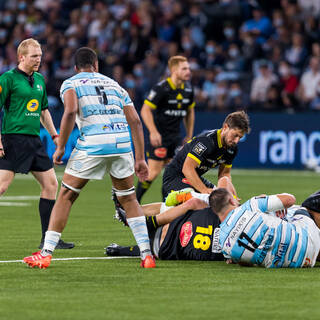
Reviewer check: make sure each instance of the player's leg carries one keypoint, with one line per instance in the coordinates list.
(155, 167)
(6, 178)
(69, 192)
(124, 190)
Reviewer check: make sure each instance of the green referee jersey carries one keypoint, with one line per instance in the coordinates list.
(23, 98)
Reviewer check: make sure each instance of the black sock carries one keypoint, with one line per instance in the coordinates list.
(142, 188)
(152, 223)
(45, 208)
(129, 251)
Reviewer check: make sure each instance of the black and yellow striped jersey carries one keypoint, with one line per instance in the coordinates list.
(170, 105)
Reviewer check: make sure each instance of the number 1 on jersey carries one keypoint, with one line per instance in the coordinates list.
(200, 241)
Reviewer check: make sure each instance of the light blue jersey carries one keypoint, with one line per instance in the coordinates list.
(101, 121)
(249, 234)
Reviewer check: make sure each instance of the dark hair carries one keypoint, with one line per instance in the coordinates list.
(238, 119)
(85, 57)
(219, 199)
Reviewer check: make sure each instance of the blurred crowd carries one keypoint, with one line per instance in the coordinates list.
(258, 55)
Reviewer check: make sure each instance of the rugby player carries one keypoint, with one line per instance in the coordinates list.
(104, 112)
(168, 103)
(215, 148)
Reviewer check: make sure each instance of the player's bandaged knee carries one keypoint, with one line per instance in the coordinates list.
(274, 203)
(76, 190)
(121, 193)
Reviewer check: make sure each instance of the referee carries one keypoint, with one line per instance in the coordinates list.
(169, 102)
(24, 99)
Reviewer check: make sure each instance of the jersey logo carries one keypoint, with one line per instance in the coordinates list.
(0, 89)
(199, 149)
(160, 152)
(184, 180)
(185, 233)
(33, 105)
(39, 87)
(216, 248)
(151, 95)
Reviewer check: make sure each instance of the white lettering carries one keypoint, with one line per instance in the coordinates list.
(280, 147)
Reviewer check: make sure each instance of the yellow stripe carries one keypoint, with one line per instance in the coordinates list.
(190, 155)
(171, 84)
(150, 104)
(228, 165)
(219, 138)
(152, 218)
(192, 105)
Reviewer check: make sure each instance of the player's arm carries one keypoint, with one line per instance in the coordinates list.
(225, 172)
(175, 212)
(147, 116)
(70, 102)
(188, 122)
(189, 171)
(273, 202)
(135, 124)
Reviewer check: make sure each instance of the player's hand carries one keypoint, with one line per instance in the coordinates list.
(155, 139)
(57, 156)
(142, 170)
(206, 190)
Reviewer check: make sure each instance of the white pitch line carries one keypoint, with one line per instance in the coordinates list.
(20, 198)
(77, 258)
(14, 204)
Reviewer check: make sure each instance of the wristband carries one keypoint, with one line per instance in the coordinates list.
(54, 136)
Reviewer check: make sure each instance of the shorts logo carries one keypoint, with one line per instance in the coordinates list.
(185, 233)
(160, 152)
(33, 105)
(199, 149)
(184, 180)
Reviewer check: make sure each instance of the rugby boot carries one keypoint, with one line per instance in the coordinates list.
(176, 197)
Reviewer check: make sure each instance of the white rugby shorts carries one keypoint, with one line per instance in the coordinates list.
(91, 167)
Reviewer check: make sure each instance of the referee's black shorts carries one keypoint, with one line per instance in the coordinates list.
(24, 153)
(174, 180)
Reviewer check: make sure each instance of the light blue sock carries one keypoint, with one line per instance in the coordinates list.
(140, 232)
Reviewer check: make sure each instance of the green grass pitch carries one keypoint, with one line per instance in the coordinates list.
(119, 288)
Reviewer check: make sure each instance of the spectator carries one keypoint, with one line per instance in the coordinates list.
(261, 84)
(309, 83)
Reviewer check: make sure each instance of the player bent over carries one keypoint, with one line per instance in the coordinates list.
(104, 112)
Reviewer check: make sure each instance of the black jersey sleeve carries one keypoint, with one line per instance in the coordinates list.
(154, 97)
(200, 149)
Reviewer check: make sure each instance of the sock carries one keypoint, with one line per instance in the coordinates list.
(152, 223)
(202, 196)
(133, 251)
(50, 242)
(142, 188)
(139, 229)
(45, 208)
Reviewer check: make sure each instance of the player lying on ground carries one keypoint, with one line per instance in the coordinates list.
(248, 234)
(184, 232)
(296, 216)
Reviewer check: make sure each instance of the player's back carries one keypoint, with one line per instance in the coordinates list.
(100, 118)
(251, 235)
(191, 237)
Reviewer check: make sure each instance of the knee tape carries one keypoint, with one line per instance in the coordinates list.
(63, 184)
(121, 193)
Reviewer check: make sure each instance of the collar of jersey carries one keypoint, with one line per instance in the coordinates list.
(219, 138)
(23, 73)
(171, 84)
